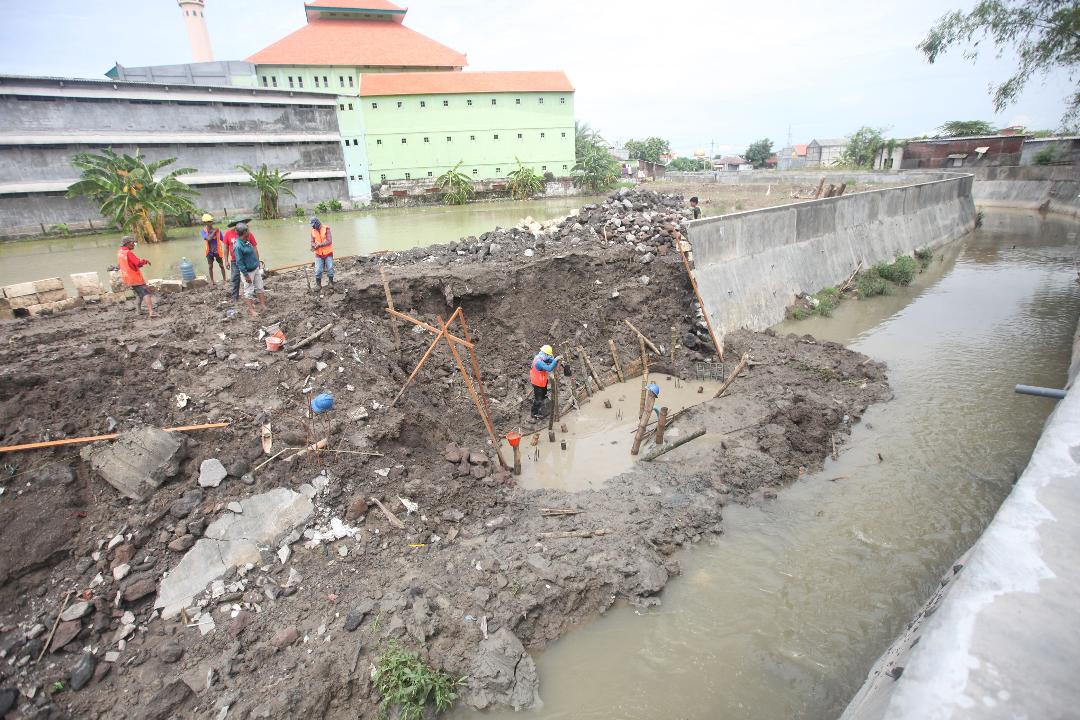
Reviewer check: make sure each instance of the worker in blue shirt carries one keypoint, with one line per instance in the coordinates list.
(542, 364)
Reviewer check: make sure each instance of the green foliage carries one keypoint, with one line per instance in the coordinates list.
(650, 149)
(965, 128)
(862, 146)
(901, 271)
(738, 206)
(129, 194)
(759, 152)
(685, 164)
(925, 256)
(799, 313)
(1043, 34)
(412, 686)
(826, 302)
(335, 205)
(597, 171)
(457, 187)
(60, 229)
(270, 186)
(524, 182)
(300, 212)
(585, 140)
(322, 208)
(870, 284)
(1046, 156)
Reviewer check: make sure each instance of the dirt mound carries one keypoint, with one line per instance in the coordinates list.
(296, 632)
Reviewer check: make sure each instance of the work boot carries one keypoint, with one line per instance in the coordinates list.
(318, 286)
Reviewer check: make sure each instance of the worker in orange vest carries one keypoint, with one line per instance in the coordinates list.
(542, 364)
(132, 276)
(213, 246)
(322, 244)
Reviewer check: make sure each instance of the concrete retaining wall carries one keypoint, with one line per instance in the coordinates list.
(750, 266)
(1053, 188)
(808, 176)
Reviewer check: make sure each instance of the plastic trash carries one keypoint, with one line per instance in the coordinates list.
(322, 402)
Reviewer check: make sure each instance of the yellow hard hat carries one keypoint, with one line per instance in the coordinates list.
(547, 350)
(207, 217)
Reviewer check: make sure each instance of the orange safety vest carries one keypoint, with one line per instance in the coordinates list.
(537, 377)
(219, 244)
(318, 236)
(129, 274)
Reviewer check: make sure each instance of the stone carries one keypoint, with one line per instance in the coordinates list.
(82, 671)
(286, 637)
(211, 473)
(239, 623)
(138, 462)
(231, 541)
(503, 674)
(65, 633)
(87, 283)
(8, 698)
(170, 652)
(121, 571)
(452, 454)
(157, 365)
(478, 458)
(164, 704)
(357, 509)
(479, 471)
(123, 554)
(77, 610)
(235, 507)
(138, 589)
(182, 543)
(182, 506)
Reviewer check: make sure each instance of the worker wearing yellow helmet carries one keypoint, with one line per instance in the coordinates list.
(542, 364)
(214, 246)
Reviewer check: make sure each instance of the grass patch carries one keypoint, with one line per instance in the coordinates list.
(925, 256)
(871, 285)
(412, 686)
(826, 302)
(799, 313)
(901, 271)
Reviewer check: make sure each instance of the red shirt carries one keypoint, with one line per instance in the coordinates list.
(230, 238)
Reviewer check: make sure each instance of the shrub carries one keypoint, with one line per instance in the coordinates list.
(322, 208)
(901, 271)
(925, 256)
(870, 285)
(59, 229)
(412, 686)
(335, 205)
(826, 302)
(799, 313)
(299, 212)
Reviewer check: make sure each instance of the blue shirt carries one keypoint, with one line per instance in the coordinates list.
(246, 259)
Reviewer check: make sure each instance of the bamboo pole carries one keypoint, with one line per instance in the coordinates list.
(661, 425)
(56, 624)
(390, 304)
(657, 452)
(644, 376)
(429, 328)
(569, 351)
(517, 459)
(674, 343)
(475, 363)
(311, 338)
(821, 184)
(642, 336)
(96, 438)
(592, 370)
(615, 357)
(734, 374)
(697, 293)
(472, 390)
(431, 348)
(642, 422)
(564, 534)
(554, 416)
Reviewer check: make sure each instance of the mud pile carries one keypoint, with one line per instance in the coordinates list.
(319, 579)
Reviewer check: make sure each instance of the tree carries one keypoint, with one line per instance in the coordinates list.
(650, 149)
(685, 164)
(862, 146)
(1044, 34)
(585, 139)
(759, 152)
(965, 128)
(128, 193)
(270, 186)
(457, 187)
(597, 170)
(524, 182)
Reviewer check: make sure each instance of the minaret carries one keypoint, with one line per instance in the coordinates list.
(198, 35)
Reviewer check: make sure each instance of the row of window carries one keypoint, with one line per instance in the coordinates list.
(408, 176)
(297, 82)
(194, 13)
(450, 138)
(468, 102)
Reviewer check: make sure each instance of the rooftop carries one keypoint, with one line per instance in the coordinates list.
(447, 83)
(381, 10)
(965, 138)
(830, 142)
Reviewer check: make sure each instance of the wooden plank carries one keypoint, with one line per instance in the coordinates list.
(429, 328)
(431, 348)
(641, 335)
(589, 365)
(657, 452)
(697, 293)
(96, 438)
(734, 374)
(310, 338)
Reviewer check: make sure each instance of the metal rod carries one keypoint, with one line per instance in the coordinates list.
(1040, 391)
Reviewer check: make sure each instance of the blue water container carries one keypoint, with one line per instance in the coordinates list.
(187, 270)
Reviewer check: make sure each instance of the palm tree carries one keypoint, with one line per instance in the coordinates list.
(271, 186)
(457, 187)
(524, 182)
(128, 193)
(585, 139)
(597, 171)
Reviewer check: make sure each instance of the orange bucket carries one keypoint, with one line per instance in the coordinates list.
(513, 438)
(275, 341)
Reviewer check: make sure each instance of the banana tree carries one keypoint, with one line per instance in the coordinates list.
(457, 187)
(270, 186)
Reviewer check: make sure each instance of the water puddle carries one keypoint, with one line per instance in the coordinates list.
(598, 439)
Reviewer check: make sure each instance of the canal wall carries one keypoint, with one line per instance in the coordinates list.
(1001, 636)
(1054, 188)
(750, 266)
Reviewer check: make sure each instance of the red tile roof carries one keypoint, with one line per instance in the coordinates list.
(357, 43)
(437, 83)
(800, 150)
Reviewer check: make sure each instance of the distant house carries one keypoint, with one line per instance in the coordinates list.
(826, 151)
(639, 169)
(771, 161)
(790, 157)
(730, 163)
(962, 152)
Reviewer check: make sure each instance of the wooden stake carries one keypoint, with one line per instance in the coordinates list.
(554, 414)
(431, 348)
(820, 185)
(563, 534)
(391, 517)
(661, 425)
(48, 640)
(693, 284)
(642, 336)
(657, 452)
(615, 357)
(674, 344)
(649, 401)
(475, 364)
(592, 370)
(644, 376)
(427, 327)
(734, 374)
(847, 283)
(556, 512)
(472, 391)
(843, 187)
(311, 338)
(315, 446)
(96, 438)
(517, 459)
(390, 304)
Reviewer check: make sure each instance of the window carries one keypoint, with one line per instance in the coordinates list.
(423, 103)
(427, 139)
(350, 81)
(517, 101)
(429, 173)
(408, 176)
(493, 101)
(325, 81)
(350, 106)
(448, 138)
(266, 83)
(402, 141)
(474, 171)
(543, 168)
(341, 107)
(359, 177)
(352, 177)
(290, 81)
(356, 141)
(399, 104)
(300, 82)
(468, 102)
(341, 80)
(495, 136)
(498, 170)
(562, 101)
(382, 178)
(519, 136)
(563, 167)
(274, 80)
(316, 81)
(472, 137)
(563, 134)
(374, 106)
(541, 101)
(446, 103)
(379, 141)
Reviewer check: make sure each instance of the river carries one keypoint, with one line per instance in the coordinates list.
(281, 242)
(783, 615)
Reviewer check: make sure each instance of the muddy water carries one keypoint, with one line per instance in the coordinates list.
(782, 616)
(598, 439)
(281, 242)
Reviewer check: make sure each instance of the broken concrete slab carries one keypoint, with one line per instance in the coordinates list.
(503, 674)
(138, 462)
(230, 541)
(211, 473)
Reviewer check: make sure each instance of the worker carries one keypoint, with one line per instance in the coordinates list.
(213, 247)
(229, 238)
(542, 364)
(132, 276)
(694, 207)
(322, 244)
(246, 261)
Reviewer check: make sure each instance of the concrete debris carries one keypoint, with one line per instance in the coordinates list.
(503, 674)
(211, 473)
(235, 507)
(337, 530)
(138, 462)
(77, 610)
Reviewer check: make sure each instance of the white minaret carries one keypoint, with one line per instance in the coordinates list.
(198, 35)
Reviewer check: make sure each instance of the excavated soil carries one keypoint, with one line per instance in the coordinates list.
(470, 562)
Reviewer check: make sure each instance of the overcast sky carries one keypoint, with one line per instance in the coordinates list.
(704, 74)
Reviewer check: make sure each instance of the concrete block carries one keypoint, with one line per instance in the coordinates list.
(138, 462)
(19, 290)
(51, 296)
(88, 283)
(54, 307)
(6, 314)
(23, 301)
(200, 281)
(48, 284)
(166, 286)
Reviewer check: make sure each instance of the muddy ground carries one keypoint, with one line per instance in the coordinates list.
(298, 638)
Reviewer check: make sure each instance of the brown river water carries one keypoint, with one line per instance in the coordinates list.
(782, 616)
